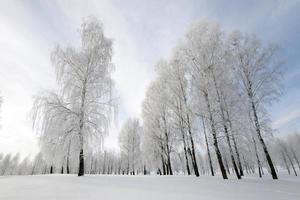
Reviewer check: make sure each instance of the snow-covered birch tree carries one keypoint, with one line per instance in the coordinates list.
(157, 120)
(201, 48)
(129, 140)
(83, 105)
(257, 70)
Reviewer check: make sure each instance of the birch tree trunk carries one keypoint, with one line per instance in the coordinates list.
(81, 122)
(291, 162)
(285, 162)
(295, 157)
(257, 157)
(225, 125)
(207, 149)
(214, 134)
(193, 154)
(185, 154)
(262, 142)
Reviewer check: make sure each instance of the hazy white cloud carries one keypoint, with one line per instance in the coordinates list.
(285, 119)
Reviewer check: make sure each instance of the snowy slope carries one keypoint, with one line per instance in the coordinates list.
(146, 187)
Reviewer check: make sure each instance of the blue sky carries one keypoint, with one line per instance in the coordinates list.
(143, 32)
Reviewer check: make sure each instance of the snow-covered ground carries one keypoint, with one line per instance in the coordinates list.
(46, 187)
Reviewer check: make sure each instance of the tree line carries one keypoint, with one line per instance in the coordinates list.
(285, 153)
(216, 84)
(205, 112)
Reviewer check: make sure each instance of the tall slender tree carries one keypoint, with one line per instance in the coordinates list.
(83, 105)
(129, 140)
(257, 69)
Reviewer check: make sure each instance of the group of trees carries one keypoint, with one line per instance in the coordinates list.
(129, 140)
(205, 112)
(285, 153)
(218, 85)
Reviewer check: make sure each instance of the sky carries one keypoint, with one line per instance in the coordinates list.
(143, 32)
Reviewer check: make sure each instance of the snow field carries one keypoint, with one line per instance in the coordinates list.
(63, 187)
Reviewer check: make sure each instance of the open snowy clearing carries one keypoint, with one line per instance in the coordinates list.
(146, 187)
